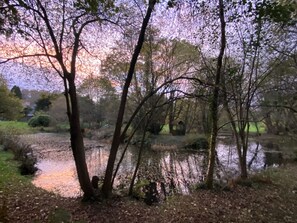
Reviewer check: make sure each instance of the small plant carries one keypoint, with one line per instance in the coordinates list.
(138, 188)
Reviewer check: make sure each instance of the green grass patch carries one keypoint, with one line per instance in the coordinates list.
(165, 129)
(16, 128)
(253, 128)
(9, 173)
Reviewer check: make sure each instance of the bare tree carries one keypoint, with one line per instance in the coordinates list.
(107, 184)
(246, 74)
(53, 31)
(215, 99)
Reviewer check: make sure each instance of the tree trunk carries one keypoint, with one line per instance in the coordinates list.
(107, 184)
(171, 112)
(137, 164)
(77, 144)
(215, 101)
(243, 163)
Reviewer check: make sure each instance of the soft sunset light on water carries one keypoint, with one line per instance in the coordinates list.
(59, 178)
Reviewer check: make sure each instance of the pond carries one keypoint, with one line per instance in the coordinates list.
(176, 169)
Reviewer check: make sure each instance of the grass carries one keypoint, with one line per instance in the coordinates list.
(253, 129)
(9, 173)
(261, 127)
(16, 189)
(165, 129)
(16, 127)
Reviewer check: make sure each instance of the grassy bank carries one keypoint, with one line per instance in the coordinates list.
(9, 173)
(16, 128)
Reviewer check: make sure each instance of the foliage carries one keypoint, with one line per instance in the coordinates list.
(9, 170)
(95, 6)
(96, 88)
(10, 107)
(88, 111)
(103, 93)
(58, 110)
(22, 153)
(16, 91)
(44, 102)
(278, 102)
(8, 18)
(40, 120)
(200, 143)
(152, 112)
(138, 190)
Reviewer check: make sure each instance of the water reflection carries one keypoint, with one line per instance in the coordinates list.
(177, 170)
(273, 156)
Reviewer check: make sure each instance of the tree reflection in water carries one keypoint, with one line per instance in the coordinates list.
(177, 171)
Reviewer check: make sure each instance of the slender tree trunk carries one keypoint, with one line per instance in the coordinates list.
(243, 163)
(107, 184)
(171, 112)
(77, 143)
(215, 101)
(138, 163)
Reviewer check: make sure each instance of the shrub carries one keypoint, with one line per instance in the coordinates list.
(199, 144)
(40, 120)
(22, 153)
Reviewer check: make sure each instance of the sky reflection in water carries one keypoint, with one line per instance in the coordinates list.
(181, 169)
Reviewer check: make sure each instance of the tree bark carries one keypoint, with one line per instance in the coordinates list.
(107, 184)
(215, 101)
(77, 144)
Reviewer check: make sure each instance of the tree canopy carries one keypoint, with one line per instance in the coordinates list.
(11, 107)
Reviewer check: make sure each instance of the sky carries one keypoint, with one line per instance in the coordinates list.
(29, 78)
(97, 43)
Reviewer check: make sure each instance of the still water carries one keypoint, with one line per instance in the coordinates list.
(180, 169)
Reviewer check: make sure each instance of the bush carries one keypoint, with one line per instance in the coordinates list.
(22, 153)
(198, 144)
(40, 120)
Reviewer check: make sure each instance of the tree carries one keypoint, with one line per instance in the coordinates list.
(215, 98)
(44, 102)
(8, 18)
(88, 114)
(245, 74)
(278, 99)
(241, 75)
(97, 87)
(10, 107)
(107, 184)
(16, 91)
(55, 30)
(58, 110)
(103, 93)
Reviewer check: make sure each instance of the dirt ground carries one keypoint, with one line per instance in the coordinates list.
(272, 198)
